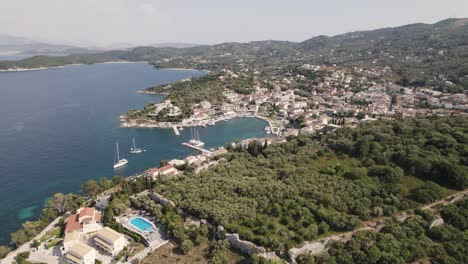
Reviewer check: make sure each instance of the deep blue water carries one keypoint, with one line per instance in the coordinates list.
(58, 128)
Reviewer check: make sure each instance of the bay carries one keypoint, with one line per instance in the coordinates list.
(58, 128)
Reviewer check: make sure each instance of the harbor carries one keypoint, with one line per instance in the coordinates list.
(197, 148)
(274, 125)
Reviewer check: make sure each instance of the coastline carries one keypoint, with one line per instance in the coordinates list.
(106, 62)
(66, 65)
(202, 123)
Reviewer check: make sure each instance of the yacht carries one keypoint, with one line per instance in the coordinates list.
(195, 141)
(134, 149)
(117, 161)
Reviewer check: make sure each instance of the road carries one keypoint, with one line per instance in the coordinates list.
(319, 245)
(10, 258)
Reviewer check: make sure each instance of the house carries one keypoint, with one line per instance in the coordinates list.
(81, 254)
(219, 151)
(109, 240)
(168, 169)
(86, 219)
(205, 105)
(192, 160)
(70, 240)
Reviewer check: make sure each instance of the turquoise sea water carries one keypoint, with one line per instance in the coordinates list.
(58, 128)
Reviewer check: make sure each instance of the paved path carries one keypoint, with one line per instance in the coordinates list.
(10, 258)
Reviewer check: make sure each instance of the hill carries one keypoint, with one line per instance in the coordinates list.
(416, 52)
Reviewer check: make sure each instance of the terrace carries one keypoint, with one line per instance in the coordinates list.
(143, 224)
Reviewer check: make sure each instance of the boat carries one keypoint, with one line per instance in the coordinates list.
(134, 149)
(211, 123)
(195, 141)
(181, 128)
(268, 130)
(117, 161)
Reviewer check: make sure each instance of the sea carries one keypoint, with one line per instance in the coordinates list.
(58, 128)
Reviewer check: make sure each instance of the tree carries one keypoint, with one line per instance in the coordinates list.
(361, 115)
(18, 238)
(90, 188)
(4, 250)
(186, 246)
(105, 183)
(35, 243)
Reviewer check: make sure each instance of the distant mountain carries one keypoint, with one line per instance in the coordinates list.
(413, 50)
(14, 44)
(416, 51)
(177, 45)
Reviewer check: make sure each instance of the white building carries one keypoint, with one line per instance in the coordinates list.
(110, 241)
(81, 254)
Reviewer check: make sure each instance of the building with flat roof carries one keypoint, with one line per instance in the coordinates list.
(110, 241)
(70, 240)
(81, 253)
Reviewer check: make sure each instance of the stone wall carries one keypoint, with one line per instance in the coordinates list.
(243, 245)
(160, 199)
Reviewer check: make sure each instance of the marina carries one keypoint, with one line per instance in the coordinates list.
(79, 144)
(197, 148)
(176, 131)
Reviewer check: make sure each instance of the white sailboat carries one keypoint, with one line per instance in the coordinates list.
(134, 149)
(196, 141)
(117, 161)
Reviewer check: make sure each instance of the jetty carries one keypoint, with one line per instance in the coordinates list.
(176, 131)
(199, 149)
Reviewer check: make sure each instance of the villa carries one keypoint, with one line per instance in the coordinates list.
(168, 169)
(81, 254)
(86, 219)
(110, 241)
(71, 239)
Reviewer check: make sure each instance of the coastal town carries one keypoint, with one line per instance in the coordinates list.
(305, 100)
(343, 153)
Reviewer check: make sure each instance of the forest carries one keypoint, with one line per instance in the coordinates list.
(405, 242)
(281, 195)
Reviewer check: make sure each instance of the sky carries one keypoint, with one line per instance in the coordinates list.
(106, 22)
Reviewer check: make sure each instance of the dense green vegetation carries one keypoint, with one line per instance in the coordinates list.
(186, 93)
(405, 242)
(431, 148)
(282, 195)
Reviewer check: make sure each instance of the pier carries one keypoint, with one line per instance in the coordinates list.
(176, 131)
(200, 149)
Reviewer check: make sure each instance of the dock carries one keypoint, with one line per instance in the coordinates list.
(176, 131)
(200, 149)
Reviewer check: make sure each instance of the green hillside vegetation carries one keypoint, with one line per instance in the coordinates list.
(186, 93)
(418, 54)
(405, 242)
(284, 194)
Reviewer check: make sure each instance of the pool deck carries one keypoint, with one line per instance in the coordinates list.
(154, 237)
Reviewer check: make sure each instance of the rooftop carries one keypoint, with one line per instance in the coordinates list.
(109, 234)
(80, 249)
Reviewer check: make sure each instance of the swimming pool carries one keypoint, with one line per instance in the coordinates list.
(142, 224)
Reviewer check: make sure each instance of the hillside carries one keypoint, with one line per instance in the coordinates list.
(438, 48)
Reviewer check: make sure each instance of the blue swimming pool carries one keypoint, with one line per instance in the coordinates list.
(142, 224)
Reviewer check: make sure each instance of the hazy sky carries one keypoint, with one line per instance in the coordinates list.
(211, 21)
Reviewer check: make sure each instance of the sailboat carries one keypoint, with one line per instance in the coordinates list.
(117, 161)
(196, 141)
(134, 149)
